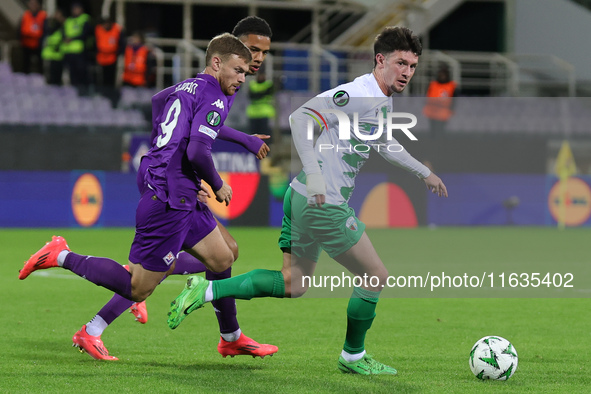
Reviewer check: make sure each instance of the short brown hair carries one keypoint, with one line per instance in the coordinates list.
(396, 39)
(226, 45)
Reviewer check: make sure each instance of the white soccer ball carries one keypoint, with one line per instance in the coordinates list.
(493, 357)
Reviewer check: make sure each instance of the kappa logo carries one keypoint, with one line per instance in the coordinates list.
(218, 103)
(169, 258)
(213, 118)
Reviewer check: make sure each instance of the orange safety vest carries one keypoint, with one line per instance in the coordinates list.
(32, 29)
(136, 64)
(439, 99)
(107, 44)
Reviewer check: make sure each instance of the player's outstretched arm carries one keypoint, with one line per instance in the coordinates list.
(253, 143)
(401, 158)
(435, 184)
(264, 150)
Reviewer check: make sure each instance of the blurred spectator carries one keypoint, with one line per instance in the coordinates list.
(77, 32)
(30, 31)
(440, 103)
(109, 38)
(261, 109)
(52, 48)
(139, 62)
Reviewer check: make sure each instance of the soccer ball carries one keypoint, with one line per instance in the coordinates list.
(493, 357)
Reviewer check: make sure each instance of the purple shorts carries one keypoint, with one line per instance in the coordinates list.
(162, 232)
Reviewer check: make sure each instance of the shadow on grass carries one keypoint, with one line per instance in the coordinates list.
(43, 357)
(206, 366)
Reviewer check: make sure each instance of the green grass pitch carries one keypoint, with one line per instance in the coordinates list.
(427, 339)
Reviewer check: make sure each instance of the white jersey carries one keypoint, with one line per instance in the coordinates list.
(340, 160)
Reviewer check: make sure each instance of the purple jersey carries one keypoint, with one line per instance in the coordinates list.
(186, 119)
(159, 99)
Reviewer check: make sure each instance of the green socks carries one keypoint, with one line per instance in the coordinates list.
(256, 283)
(360, 315)
(265, 283)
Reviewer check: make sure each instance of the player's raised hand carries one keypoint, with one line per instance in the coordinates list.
(435, 184)
(224, 194)
(264, 150)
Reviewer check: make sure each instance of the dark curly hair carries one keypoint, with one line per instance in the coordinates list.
(252, 25)
(396, 39)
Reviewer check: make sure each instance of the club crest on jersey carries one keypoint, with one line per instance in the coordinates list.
(351, 224)
(340, 98)
(213, 118)
(169, 258)
(218, 103)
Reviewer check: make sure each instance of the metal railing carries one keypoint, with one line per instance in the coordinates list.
(537, 72)
(499, 74)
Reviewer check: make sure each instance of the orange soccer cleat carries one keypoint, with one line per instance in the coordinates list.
(45, 258)
(139, 309)
(92, 345)
(245, 346)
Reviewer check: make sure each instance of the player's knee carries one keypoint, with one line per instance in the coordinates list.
(139, 295)
(382, 278)
(293, 289)
(222, 263)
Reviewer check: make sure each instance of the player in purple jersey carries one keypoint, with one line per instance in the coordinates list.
(169, 217)
(256, 34)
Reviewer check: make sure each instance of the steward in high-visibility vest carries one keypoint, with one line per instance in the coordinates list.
(261, 108)
(439, 106)
(30, 31)
(136, 61)
(440, 95)
(108, 42)
(76, 32)
(52, 48)
(261, 100)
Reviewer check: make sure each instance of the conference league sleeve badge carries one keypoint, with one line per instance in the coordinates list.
(340, 98)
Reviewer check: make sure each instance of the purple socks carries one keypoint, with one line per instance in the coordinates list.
(111, 275)
(187, 264)
(114, 308)
(101, 271)
(225, 308)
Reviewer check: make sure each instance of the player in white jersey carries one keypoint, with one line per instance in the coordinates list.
(342, 158)
(316, 214)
